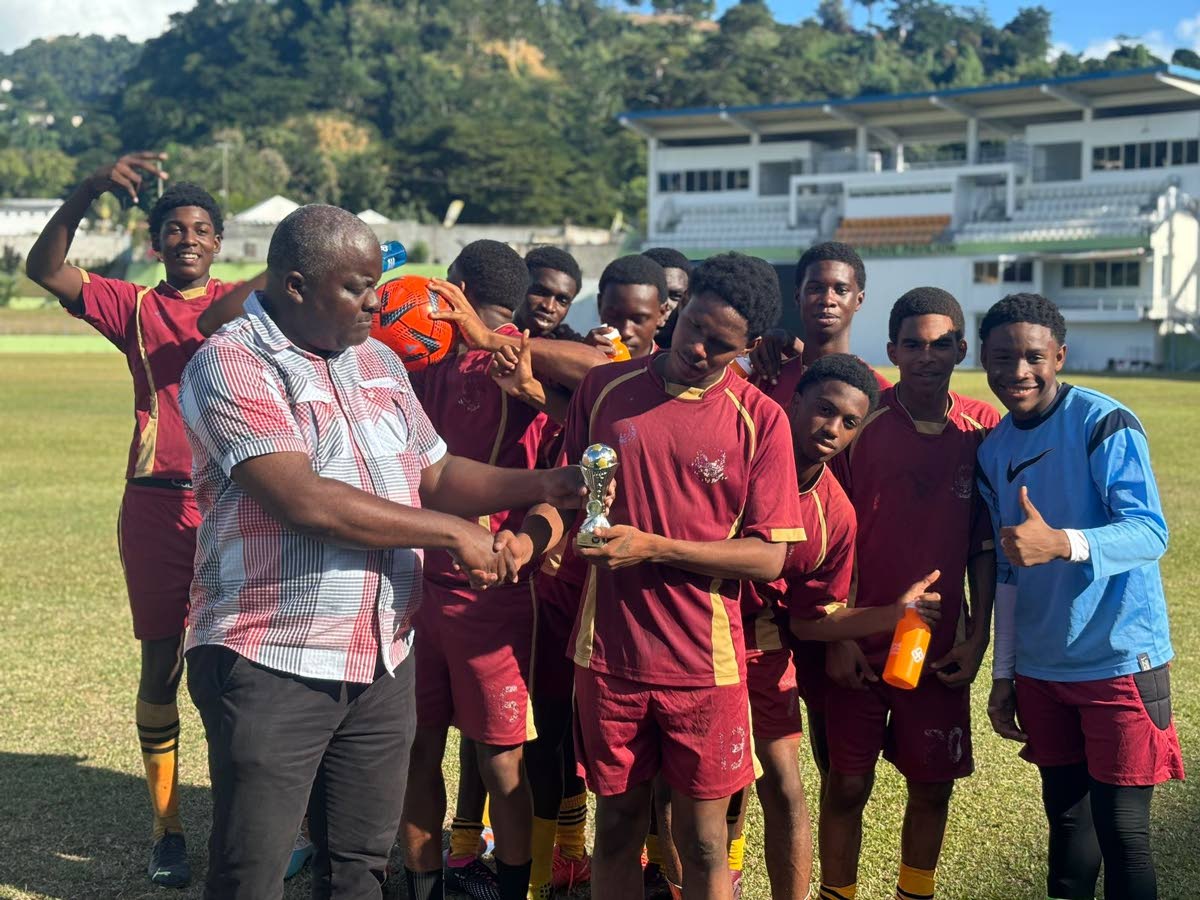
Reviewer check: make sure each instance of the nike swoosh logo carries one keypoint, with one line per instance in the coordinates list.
(1014, 472)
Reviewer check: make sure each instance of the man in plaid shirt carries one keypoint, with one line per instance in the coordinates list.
(320, 482)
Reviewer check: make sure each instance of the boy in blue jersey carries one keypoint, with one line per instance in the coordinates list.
(1081, 644)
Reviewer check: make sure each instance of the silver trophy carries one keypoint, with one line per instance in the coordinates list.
(599, 465)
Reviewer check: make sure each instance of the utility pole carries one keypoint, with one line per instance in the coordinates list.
(224, 145)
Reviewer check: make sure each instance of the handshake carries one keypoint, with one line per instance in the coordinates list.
(491, 559)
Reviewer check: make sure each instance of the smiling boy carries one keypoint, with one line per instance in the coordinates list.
(1082, 640)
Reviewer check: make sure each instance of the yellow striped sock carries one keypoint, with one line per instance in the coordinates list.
(837, 893)
(542, 867)
(464, 837)
(737, 852)
(915, 884)
(158, 731)
(572, 819)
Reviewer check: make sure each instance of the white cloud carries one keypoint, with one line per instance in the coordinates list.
(1188, 32)
(21, 21)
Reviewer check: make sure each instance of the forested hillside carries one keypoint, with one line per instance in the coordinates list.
(508, 104)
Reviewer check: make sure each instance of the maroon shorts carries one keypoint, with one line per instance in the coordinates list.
(774, 699)
(472, 651)
(1110, 724)
(557, 605)
(627, 732)
(809, 660)
(925, 733)
(156, 535)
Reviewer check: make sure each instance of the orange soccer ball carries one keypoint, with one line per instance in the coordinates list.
(404, 322)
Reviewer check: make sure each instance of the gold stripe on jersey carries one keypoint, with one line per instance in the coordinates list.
(194, 293)
(530, 728)
(724, 653)
(84, 274)
(824, 529)
(604, 392)
(787, 536)
(148, 439)
(744, 413)
(585, 641)
(766, 632)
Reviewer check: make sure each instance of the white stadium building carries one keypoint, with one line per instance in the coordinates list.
(1083, 189)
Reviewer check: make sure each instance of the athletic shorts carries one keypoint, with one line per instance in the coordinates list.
(156, 536)
(472, 651)
(627, 732)
(774, 699)
(809, 660)
(925, 732)
(1121, 727)
(553, 669)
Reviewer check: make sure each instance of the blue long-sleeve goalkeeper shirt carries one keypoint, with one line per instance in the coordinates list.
(1086, 463)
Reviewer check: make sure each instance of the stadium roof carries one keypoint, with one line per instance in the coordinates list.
(271, 211)
(1003, 109)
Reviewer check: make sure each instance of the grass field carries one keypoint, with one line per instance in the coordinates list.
(73, 809)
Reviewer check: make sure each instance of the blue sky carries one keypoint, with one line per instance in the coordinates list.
(1081, 25)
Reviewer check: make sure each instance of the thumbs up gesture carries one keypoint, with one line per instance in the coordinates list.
(1033, 542)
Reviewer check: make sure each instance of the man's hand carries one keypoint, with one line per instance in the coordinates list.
(564, 487)
(1033, 542)
(847, 666)
(473, 554)
(769, 354)
(515, 552)
(1002, 710)
(959, 667)
(512, 369)
(625, 547)
(476, 334)
(126, 174)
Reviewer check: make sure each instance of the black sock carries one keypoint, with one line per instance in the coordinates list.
(514, 880)
(424, 885)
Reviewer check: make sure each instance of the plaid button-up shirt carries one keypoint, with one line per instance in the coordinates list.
(283, 600)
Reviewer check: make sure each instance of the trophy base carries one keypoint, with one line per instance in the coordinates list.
(588, 539)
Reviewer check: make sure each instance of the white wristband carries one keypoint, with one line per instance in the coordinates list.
(1081, 551)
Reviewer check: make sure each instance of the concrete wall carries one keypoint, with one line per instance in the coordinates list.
(88, 249)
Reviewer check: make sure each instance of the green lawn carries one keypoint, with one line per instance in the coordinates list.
(73, 810)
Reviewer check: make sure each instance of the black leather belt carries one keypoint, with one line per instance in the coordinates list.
(175, 484)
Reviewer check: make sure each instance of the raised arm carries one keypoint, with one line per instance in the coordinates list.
(563, 362)
(229, 305)
(47, 261)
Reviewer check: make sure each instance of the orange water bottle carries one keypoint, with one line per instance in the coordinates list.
(620, 351)
(910, 641)
(741, 367)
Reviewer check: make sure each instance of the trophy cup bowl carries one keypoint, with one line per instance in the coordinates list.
(599, 465)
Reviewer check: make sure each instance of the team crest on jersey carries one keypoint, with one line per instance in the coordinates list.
(964, 482)
(471, 398)
(709, 466)
(626, 432)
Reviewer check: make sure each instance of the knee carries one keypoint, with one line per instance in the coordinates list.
(705, 851)
(931, 796)
(781, 788)
(501, 765)
(847, 793)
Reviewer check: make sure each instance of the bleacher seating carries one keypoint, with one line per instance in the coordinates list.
(1074, 212)
(733, 225)
(893, 231)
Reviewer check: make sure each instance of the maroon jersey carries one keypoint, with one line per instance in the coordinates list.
(790, 374)
(913, 488)
(478, 421)
(695, 465)
(155, 327)
(817, 574)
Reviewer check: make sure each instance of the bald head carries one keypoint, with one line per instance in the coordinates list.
(313, 238)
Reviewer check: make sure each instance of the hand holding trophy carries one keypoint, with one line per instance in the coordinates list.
(599, 465)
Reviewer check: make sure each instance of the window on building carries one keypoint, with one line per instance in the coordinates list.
(1147, 155)
(1057, 162)
(775, 177)
(1018, 271)
(704, 180)
(1102, 274)
(987, 272)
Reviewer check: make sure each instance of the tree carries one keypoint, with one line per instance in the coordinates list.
(833, 16)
